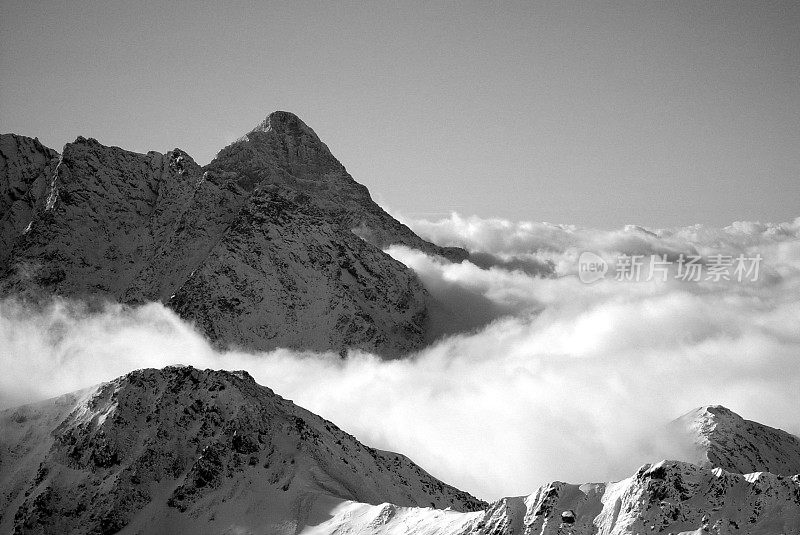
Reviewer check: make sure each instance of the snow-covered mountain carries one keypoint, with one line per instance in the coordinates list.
(273, 244)
(182, 450)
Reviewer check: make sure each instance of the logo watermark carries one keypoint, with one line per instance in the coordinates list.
(688, 268)
(591, 267)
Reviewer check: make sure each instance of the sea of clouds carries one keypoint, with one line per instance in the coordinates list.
(550, 378)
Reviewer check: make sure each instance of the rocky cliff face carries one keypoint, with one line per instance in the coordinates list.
(273, 244)
(26, 170)
(181, 450)
(108, 213)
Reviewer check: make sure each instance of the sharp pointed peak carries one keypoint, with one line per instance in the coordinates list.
(284, 122)
(283, 131)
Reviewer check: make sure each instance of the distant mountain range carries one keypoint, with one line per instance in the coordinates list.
(182, 450)
(272, 244)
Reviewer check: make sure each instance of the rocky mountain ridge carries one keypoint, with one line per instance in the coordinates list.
(272, 244)
(669, 497)
(182, 450)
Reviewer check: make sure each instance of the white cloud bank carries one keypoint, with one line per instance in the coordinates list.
(564, 381)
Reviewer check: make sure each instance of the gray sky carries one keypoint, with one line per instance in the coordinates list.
(598, 114)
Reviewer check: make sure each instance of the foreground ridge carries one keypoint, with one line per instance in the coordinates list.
(182, 450)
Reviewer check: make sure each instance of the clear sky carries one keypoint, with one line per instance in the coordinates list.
(597, 114)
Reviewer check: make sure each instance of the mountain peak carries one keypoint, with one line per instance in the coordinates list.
(291, 130)
(282, 139)
(724, 439)
(284, 122)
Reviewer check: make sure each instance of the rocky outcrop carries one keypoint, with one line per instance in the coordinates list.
(182, 450)
(273, 244)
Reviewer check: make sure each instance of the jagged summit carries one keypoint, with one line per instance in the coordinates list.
(183, 450)
(723, 439)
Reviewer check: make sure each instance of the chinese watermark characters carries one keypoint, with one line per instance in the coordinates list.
(687, 268)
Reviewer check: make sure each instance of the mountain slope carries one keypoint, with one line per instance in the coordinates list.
(273, 244)
(181, 450)
(333, 289)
